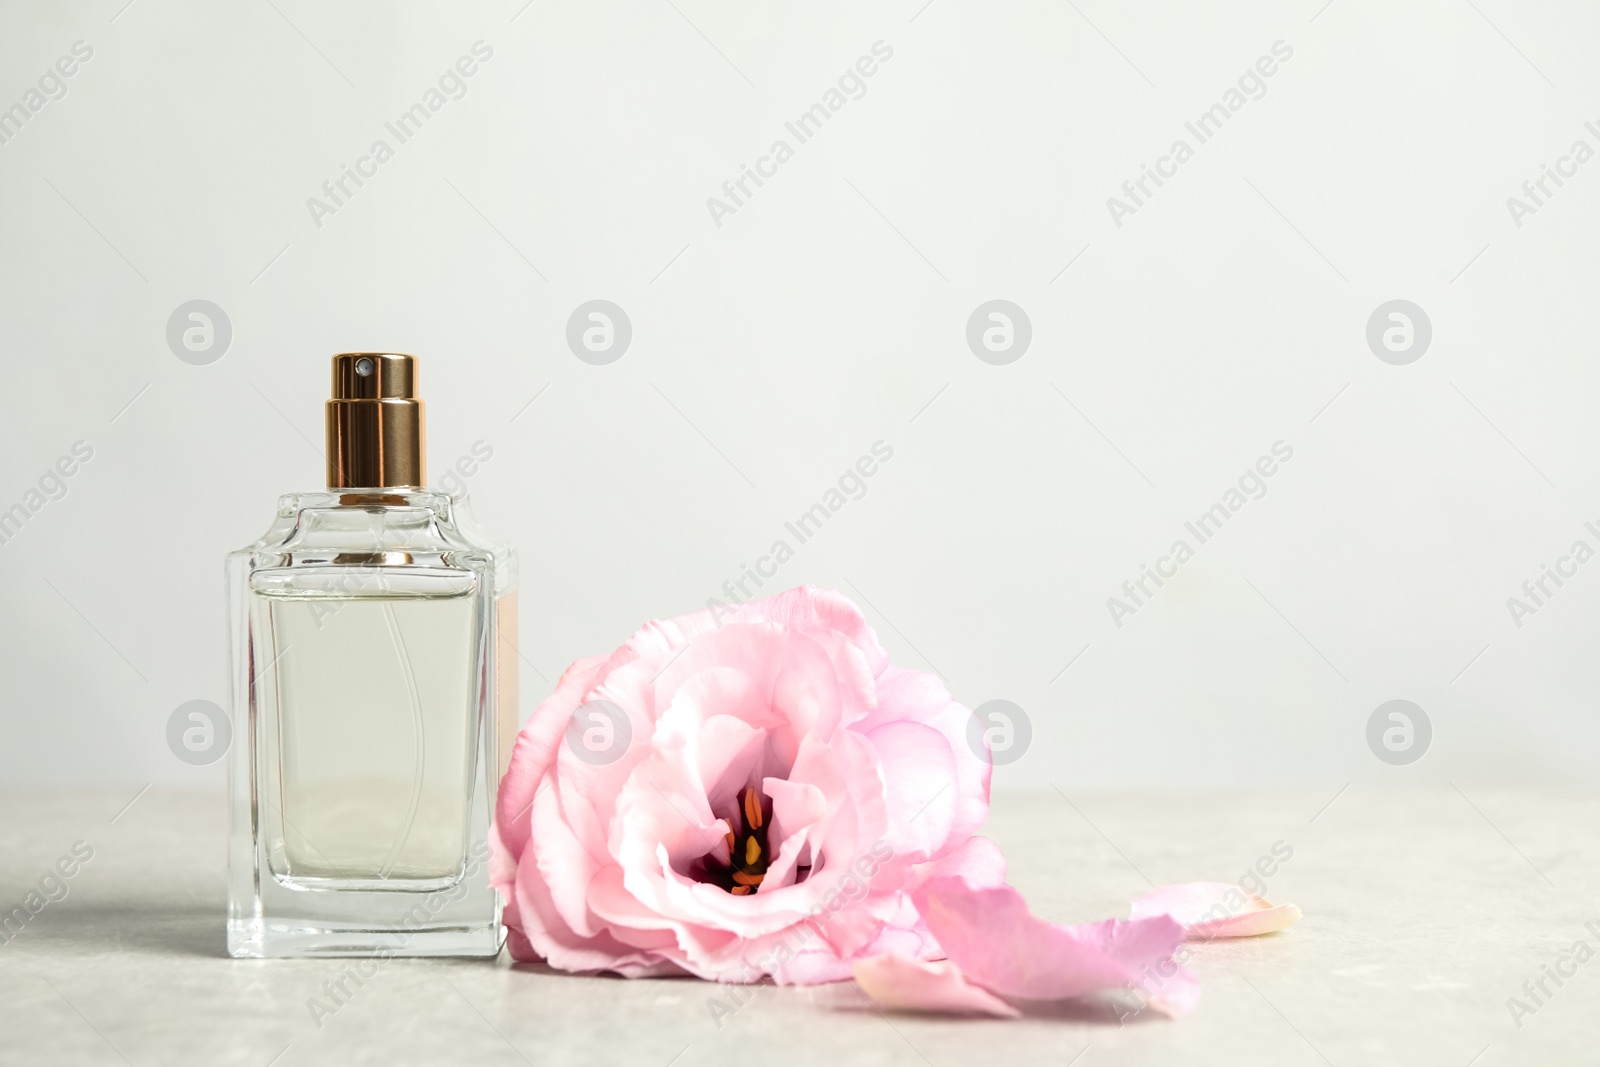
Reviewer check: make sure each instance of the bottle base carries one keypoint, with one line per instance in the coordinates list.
(258, 939)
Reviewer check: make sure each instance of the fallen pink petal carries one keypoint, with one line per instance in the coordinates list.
(903, 984)
(1208, 910)
(999, 945)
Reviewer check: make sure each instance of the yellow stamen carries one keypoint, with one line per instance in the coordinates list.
(752, 809)
(752, 851)
(747, 879)
(730, 842)
(740, 890)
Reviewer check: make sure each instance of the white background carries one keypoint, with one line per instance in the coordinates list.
(828, 313)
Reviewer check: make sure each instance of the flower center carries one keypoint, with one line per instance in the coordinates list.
(748, 849)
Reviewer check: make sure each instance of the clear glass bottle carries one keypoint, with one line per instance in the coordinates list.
(374, 688)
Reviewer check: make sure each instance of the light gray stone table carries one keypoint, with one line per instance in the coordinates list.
(1424, 912)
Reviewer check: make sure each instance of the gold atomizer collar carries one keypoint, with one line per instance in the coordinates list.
(376, 433)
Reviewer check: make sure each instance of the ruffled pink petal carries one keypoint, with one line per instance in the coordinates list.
(547, 936)
(589, 790)
(535, 752)
(812, 967)
(998, 944)
(913, 985)
(730, 754)
(555, 850)
(1145, 947)
(918, 770)
(915, 696)
(792, 691)
(797, 809)
(978, 862)
(807, 608)
(901, 935)
(1216, 909)
(703, 951)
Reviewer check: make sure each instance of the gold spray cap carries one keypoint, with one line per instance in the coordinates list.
(376, 434)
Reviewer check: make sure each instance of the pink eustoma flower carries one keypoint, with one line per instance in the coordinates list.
(754, 792)
(739, 793)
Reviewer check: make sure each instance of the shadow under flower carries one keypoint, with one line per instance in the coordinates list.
(1104, 1010)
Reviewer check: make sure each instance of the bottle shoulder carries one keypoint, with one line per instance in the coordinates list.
(421, 528)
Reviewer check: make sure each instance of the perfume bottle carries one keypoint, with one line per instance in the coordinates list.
(374, 694)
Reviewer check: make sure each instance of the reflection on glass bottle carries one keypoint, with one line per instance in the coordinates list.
(370, 655)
